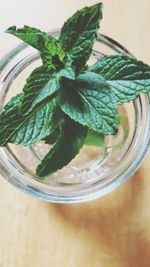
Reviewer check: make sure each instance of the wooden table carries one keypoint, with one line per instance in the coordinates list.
(111, 232)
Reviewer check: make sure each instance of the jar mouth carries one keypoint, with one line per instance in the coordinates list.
(115, 163)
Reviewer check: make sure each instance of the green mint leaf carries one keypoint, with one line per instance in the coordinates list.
(42, 85)
(68, 71)
(89, 101)
(79, 33)
(127, 76)
(67, 146)
(94, 139)
(36, 82)
(37, 125)
(51, 51)
(27, 129)
(48, 92)
(10, 118)
(51, 139)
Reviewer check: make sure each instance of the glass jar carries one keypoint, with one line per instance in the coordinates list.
(96, 171)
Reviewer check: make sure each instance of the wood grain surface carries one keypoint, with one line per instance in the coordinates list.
(111, 232)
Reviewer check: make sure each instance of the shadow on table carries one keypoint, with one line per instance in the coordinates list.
(113, 223)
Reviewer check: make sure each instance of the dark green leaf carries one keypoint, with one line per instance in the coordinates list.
(67, 146)
(127, 76)
(27, 129)
(90, 103)
(10, 118)
(36, 82)
(94, 139)
(51, 139)
(47, 92)
(42, 85)
(38, 125)
(68, 70)
(51, 51)
(79, 33)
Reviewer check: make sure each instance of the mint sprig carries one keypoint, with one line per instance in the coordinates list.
(65, 102)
